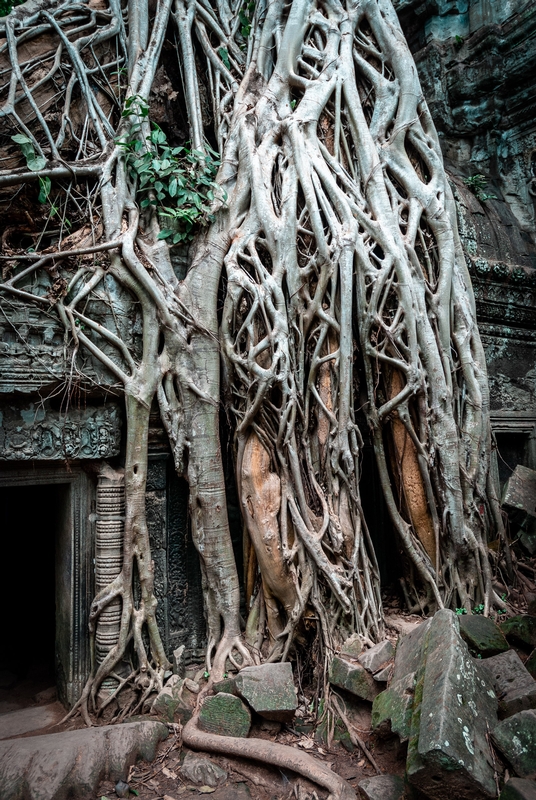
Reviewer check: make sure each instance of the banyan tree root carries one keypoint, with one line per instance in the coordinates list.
(278, 755)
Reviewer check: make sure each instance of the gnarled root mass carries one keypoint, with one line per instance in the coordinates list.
(344, 285)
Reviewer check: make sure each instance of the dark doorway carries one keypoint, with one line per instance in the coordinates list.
(31, 523)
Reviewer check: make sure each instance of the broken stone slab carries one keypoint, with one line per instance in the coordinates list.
(384, 675)
(354, 678)
(513, 684)
(167, 699)
(15, 723)
(482, 635)
(375, 658)
(519, 789)
(515, 737)
(269, 690)
(200, 769)
(448, 752)
(408, 654)
(226, 715)
(521, 628)
(392, 709)
(353, 646)
(520, 490)
(71, 765)
(382, 787)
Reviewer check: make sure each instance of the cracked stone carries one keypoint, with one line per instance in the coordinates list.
(200, 769)
(376, 658)
(354, 678)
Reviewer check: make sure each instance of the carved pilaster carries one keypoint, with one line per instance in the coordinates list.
(109, 556)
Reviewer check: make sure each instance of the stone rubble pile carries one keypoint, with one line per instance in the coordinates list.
(454, 688)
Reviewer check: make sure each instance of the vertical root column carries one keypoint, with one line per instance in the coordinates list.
(109, 560)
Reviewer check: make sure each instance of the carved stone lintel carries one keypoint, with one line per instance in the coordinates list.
(38, 432)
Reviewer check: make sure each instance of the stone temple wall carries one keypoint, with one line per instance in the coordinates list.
(477, 60)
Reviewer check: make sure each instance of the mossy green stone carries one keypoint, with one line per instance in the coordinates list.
(522, 628)
(393, 708)
(482, 635)
(226, 715)
(515, 737)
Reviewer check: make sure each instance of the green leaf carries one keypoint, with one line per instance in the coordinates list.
(224, 55)
(172, 188)
(36, 163)
(20, 138)
(45, 185)
(165, 234)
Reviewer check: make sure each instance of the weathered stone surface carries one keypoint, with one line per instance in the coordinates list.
(200, 769)
(384, 674)
(377, 656)
(520, 490)
(382, 787)
(515, 737)
(354, 678)
(482, 635)
(521, 628)
(530, 664)
(269, 690)
(226, 715)
(448, 752)
(225, 685)
(71, 765)
(512, 683)
(408, 655)
(15, 723)
(178, 661)
(353, 646)
(519, 789)
(392, 709)
(176, 701)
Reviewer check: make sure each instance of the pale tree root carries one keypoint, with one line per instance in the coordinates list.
(277, 755)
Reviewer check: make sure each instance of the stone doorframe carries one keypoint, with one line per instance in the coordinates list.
(74, 568)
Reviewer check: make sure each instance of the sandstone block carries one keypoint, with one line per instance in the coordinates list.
(376, 658)
(448, 751)
(521, 628)
(515, 737)
(482, 635)
(392, 709)
(513, 684)
(353, 646)
(269, 690)
(202, 770)
(226, 715)
(382, 787)
(354, 678)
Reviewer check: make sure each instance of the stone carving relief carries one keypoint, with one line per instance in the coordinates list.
(38, 432)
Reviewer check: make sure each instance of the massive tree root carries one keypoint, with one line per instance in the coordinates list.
(337, 253)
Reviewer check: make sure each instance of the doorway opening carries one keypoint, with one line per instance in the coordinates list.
(32, 520)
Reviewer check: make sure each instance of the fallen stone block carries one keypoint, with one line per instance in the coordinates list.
(513, 684)
(515, 737)
(392, 709)
(384, 675)
(448, 752)
(269, 690)
(375, 658)
(167, 699)
(226, 715)
(382, 787)
(354, 678)
(408, 654)
(353, 646)
(200, 769)
(71, 765)
(521, 629)
(519, 789)
(179, 666)
(482, 635)
(520, 490)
